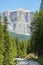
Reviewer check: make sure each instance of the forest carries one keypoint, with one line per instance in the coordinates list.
(11, 47)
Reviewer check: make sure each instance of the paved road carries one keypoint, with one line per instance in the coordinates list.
(26, 62)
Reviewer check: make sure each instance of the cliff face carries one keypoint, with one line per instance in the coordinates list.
(19, 20)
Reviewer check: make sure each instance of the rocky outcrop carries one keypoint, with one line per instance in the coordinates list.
(19, 20)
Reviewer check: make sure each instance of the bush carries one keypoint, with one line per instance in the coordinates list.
(40, 59)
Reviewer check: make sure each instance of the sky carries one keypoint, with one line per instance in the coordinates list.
(32, 5)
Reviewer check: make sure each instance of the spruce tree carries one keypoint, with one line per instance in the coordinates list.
(1, 42)
(41, 6)
(24, 48)
(17, 45)
(14, 47)
(7, 44)
(37, 33)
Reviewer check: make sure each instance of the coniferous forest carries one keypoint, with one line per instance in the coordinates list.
(11, 47)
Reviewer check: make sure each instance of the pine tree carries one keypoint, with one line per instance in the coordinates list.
(7, 44)
(37, 33)
(24, 48)
(33, 29)
(41, 7)
(18, 46)
(1, 42)
(14, 48)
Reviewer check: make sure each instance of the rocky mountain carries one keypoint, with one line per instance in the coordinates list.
(19, 20)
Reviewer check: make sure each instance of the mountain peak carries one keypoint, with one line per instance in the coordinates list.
(21, 9)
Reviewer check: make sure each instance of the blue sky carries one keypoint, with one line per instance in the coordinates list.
(32, 5)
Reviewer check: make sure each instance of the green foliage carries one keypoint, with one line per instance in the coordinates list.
(7, 45)
(6, 21)
(21, 48)
(1, 37)
(33, 29)
(40, 59)
(1, 59)
(10, 47)
(14, 48)
(37, 33)
(28, 47)
(24, 48)
(41, 7)
(1, 42)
